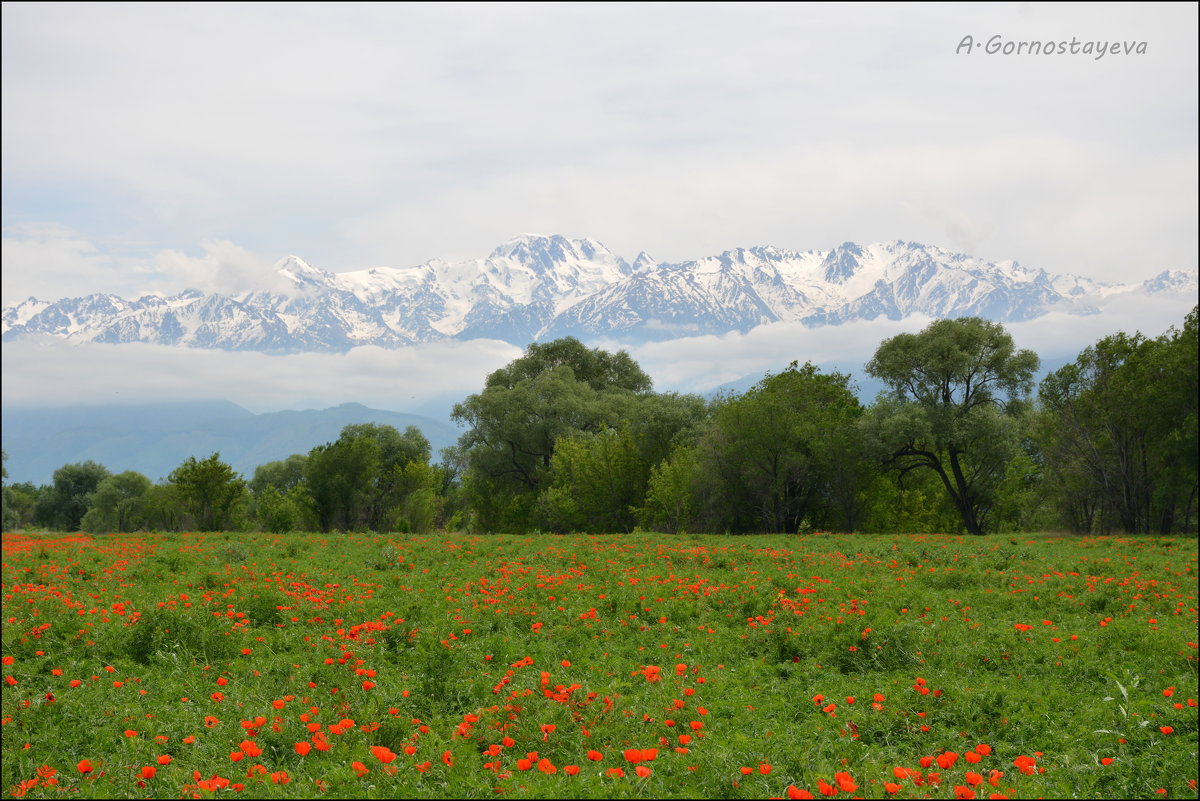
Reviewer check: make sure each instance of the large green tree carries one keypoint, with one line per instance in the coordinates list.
(117, 504)
(956, 391)
(210, 491)
(63, 505)
(364, 480)
(784, 456)
(555, 390)
(1118, 428)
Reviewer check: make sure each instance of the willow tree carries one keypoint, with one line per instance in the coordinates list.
(956, 393)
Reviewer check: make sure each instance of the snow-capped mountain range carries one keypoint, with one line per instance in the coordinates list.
(537, 287)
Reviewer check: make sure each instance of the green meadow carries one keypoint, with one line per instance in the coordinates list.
(373, 666)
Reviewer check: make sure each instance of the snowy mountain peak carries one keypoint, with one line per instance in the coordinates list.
(542, 253)
(842, 263)
(537, 287)
(1172, 281)
(301, 273)
(643, 263)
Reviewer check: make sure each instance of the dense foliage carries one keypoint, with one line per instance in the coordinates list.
(568, 438)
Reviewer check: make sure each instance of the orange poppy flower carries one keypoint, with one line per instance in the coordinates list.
(149, 771)
(383, 754)
(795, 792)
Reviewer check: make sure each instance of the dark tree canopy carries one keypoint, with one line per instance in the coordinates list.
(1119, 432)
(63, 506)
(955, 389)
(555, 390)
(210, 490)
(597, 368)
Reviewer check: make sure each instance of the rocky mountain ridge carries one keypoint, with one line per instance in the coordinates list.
(536, 287)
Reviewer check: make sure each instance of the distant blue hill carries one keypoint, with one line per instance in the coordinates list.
(154, 439)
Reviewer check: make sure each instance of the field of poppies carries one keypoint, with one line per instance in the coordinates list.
(374, 666)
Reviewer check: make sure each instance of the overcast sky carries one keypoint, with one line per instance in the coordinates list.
(162, 146)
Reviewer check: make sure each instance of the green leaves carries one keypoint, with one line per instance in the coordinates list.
(210, 491)
(1119, 432)
(556, 391)
(956, 389)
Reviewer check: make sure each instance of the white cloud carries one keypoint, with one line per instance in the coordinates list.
(50, 373)
(224, 268)
(49, 261)
(428, 378)
(699, 364)
(389, 134)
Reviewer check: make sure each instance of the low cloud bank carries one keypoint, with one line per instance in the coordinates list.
(428, 378)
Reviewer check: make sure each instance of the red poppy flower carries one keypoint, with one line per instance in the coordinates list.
(384, 755)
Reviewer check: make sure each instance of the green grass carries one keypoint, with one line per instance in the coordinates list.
(472, 640)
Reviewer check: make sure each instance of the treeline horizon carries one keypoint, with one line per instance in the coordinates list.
(571, 439)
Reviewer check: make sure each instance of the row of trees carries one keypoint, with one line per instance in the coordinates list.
(373, 477)
(568, 438)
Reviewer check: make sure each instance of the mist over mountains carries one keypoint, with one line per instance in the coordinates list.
(537, 287)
